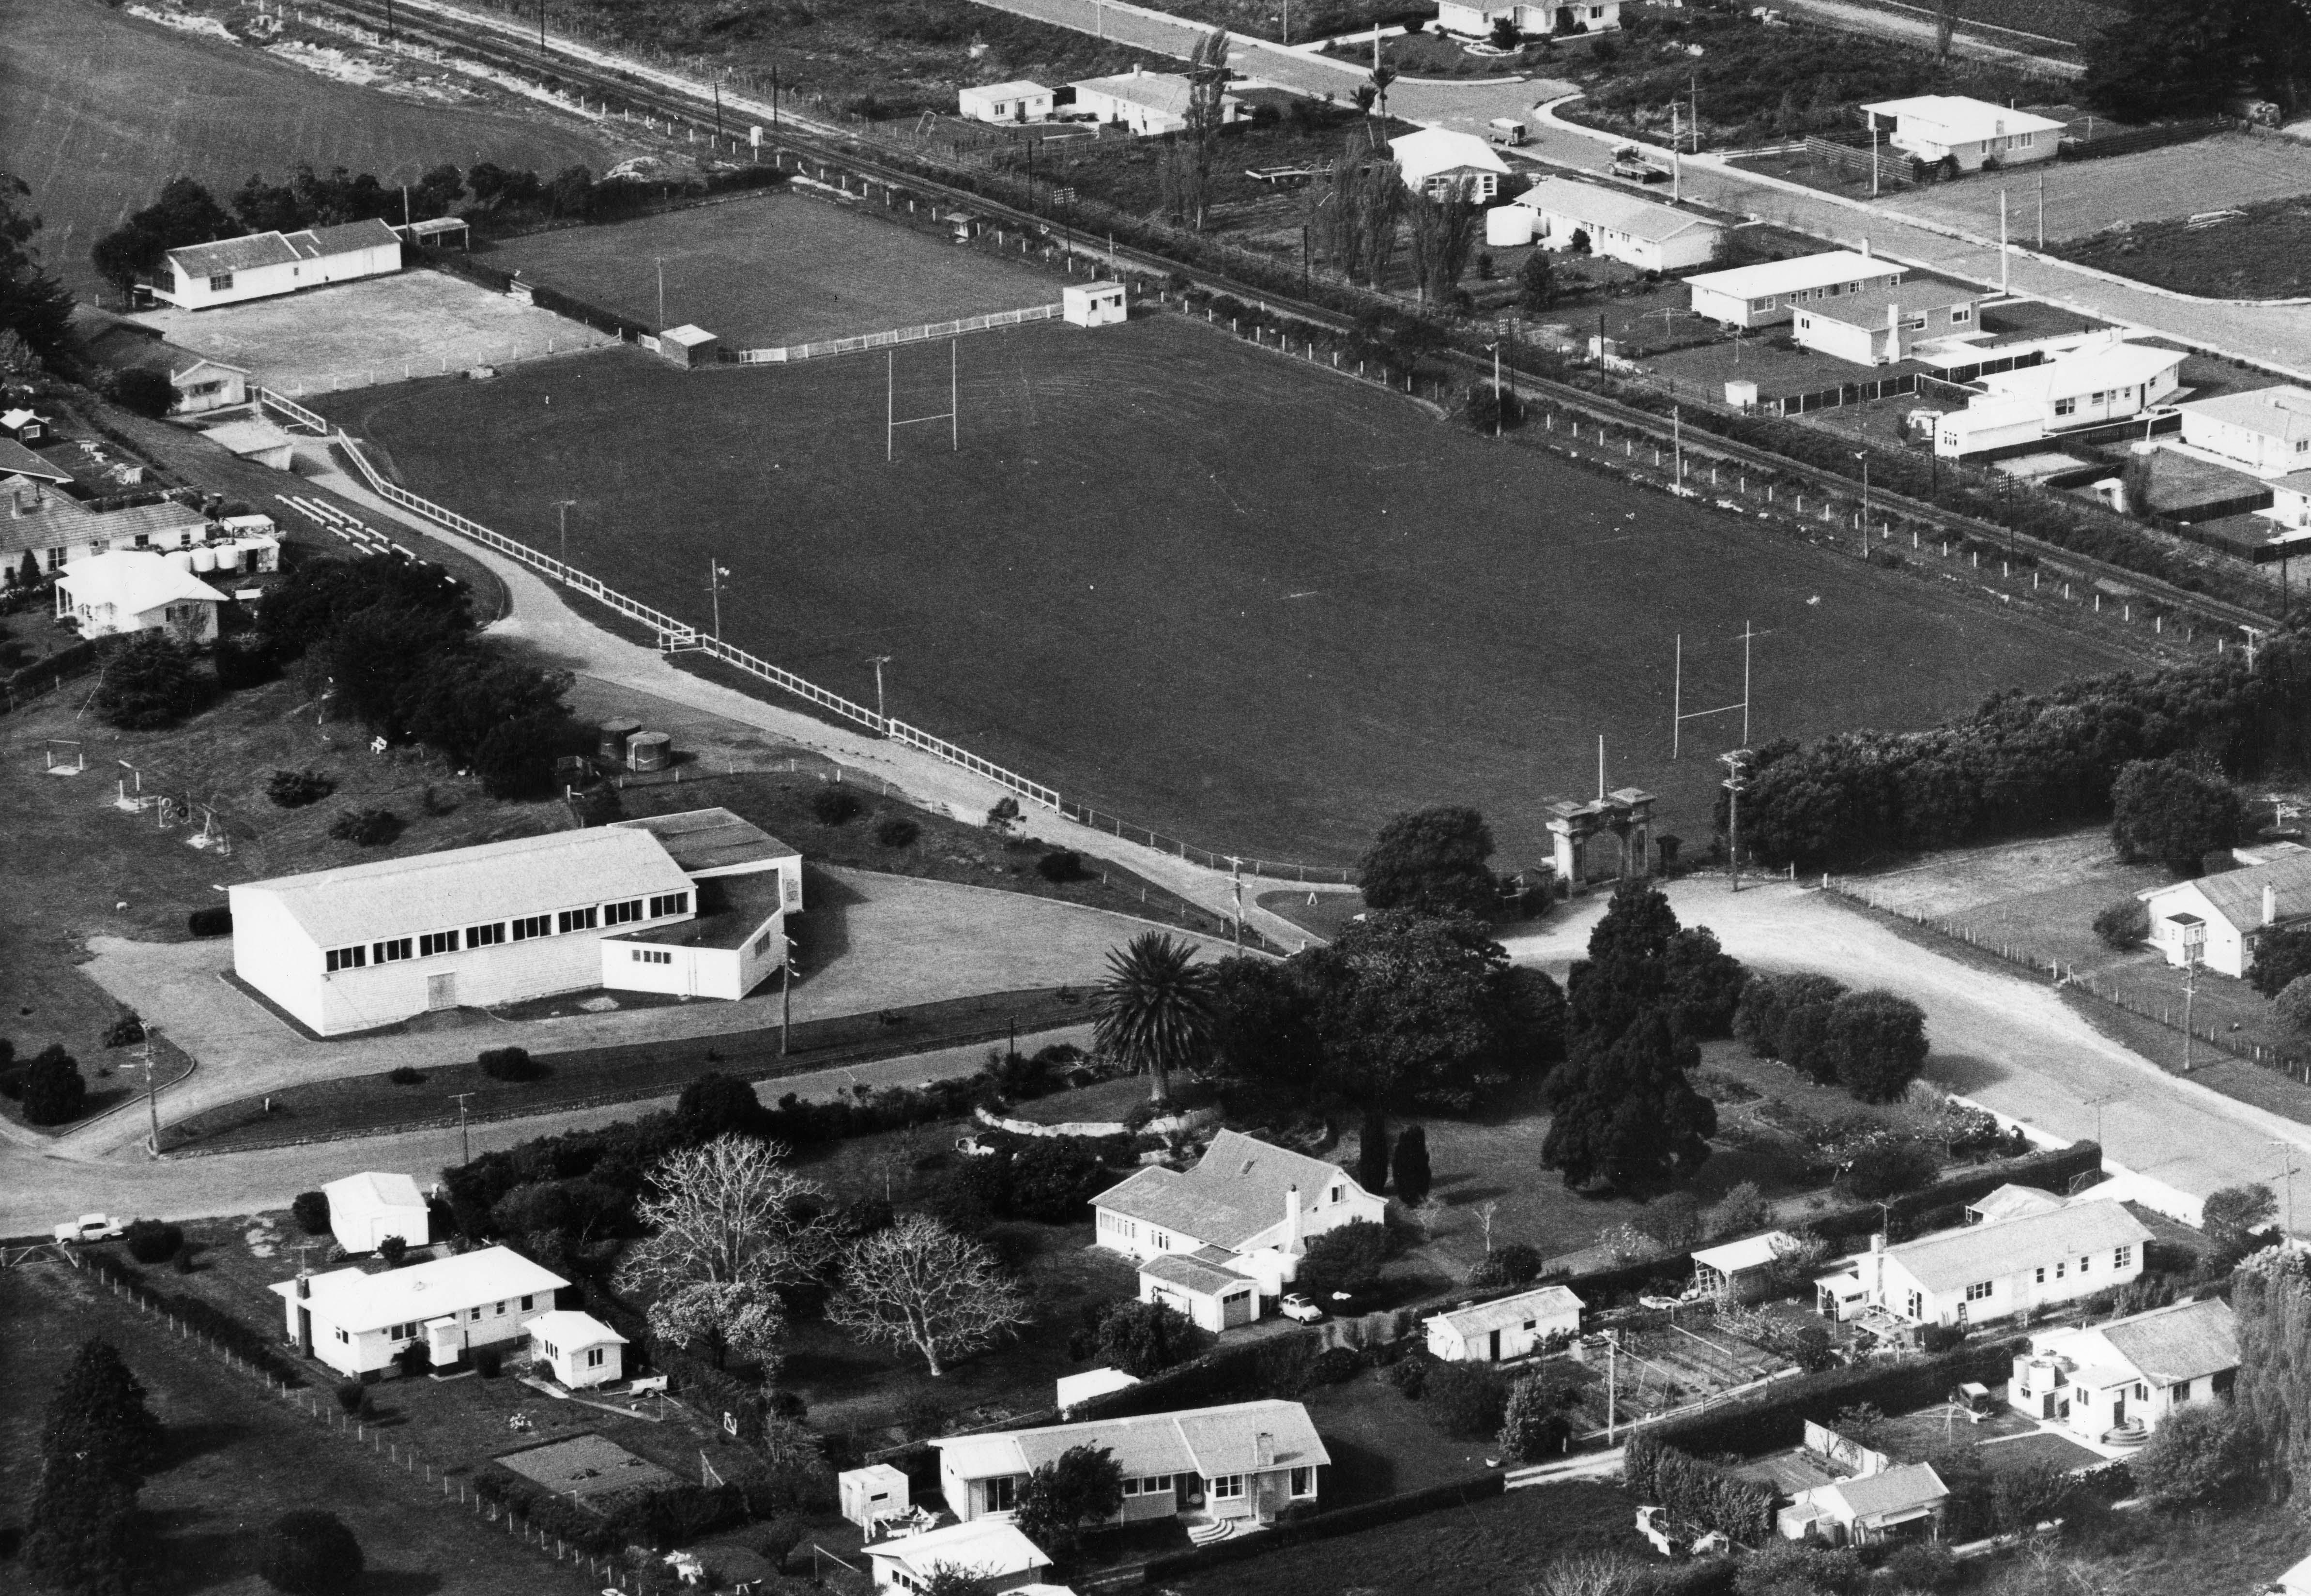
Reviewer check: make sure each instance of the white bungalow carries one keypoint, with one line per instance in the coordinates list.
(1016, 101)
(1147, 103)
(2100, 382)
(994, 1554)
(356, 1321)
(1475, 19)
(1968, 132)
(1615, 226)
(2214, 921)
(2097, 1379)
(123, 590)
(1772, 291)
(1435, 159)
(260, 264)
(1996, 1270)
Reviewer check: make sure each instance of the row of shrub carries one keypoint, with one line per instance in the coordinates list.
(1697, 1492)
(1776, 1417)
(661, 1519)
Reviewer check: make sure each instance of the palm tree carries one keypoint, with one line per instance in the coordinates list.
(1155, 1008)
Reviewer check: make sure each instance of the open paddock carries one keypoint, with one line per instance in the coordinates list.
(1187, 581)
(774, 269)
(2085, 197)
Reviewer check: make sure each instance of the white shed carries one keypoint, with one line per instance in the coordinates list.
(991, 1550)
(1506, 1328)
(1094, 304)
(1073, 1389)
(367, 1207)
(1435, 159)
(877, 1491)
(1738, 1268)
(581, 1350)
(1020, 101)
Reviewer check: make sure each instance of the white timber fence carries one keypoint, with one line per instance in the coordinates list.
(897, 335)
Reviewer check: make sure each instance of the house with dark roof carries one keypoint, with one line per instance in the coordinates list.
(1903, 1503)
(1242, 1461)
(2117, 1381)
(1881, 325)
(20, 467)
(260, 264)
(55, 530)
(2215, 921)
(1245, 1213)
(1993, 1270)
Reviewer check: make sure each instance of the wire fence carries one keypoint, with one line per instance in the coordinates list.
(394, 1453)
(2060, 974)
(905, 335)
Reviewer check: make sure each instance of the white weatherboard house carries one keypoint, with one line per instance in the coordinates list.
(1966, 133)
(1474, 19)
(692, 904)
(367, 1207)
(354, 1320)
(2100, 382)
(1435, 159)
(1243, 1460)
(2094, 1379)
(1996, 1270)
(1772, 291)
(260, 264)
(579, 1349)
(1017, 102)
(1246, 1210)
(123, 590)
(2267, 431)
(995, 1554)
(1640, 232)
(2215, 920)
(1147, 103)
(1506, 1328)
(1904, 1502)
(1881, 325)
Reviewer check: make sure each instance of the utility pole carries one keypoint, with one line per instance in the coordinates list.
(2042, 210)
(1873, 158)
(2001, 242)
(715, 572)
(2287, 1153)
(1612, 1382)
(786, 999)
(878, 662)
(2095, 1103)
(563, 505)
(1237, 865)
(2195, 941)
(541, 24)
(1501, 403)
(661, 294)
(1735, 780)
(1677, 442)
(718, 109)
(1862, 455)
(152, 1093)
(464, 1134)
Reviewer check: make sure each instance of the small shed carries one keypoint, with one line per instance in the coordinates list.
(1738, 1268)
(28, 427)
(963, 226)
(256, 439)
(438, 232)
(581, 1350)
(1092, 1383)
(877, 1491)
(1199, 1289)
(1507, 1328)
(367, 1207)
(994, 1549)
(1094, 304)
(688, 347)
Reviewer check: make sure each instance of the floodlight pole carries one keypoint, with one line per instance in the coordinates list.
(465, 1133)
(1734, 782)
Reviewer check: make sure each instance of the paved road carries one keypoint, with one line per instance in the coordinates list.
(2007, 1042)
(37, 1190)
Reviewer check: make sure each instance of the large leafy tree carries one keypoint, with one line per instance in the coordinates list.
(1155, 1009)
(1084, 1484)
(1432, 859)
(1627, 1113)
(1144, 1338)
(1879, 1041)
(729, 1223)
(2161, 60)
(185, 213)
(2200, 1456)
(97, 1439)
(2164, 810)
(34, 305)
(1264, 1028)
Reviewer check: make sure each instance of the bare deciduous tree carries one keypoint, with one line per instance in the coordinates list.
(1444, 232)
(919, 1285)
(728, 1223)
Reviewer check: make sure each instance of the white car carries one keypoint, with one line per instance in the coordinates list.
(970, 1146)
(90, 1227)
(1296, 1306)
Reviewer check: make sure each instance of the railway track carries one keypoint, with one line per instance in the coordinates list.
(834, 150)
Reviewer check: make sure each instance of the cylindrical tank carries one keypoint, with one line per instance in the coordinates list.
(1506, 226)
(613, 735)
(204, 560)
(182, 559)
(649, 750)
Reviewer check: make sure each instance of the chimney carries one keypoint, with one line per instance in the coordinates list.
(1894, 332)
(2270, 904)
(1291, 1220)
(1263, 1451)
(304, 1314)
(1865, 250)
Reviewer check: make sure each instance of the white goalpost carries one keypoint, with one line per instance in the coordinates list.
(1679, 715)
(892, 421)
(64, 757)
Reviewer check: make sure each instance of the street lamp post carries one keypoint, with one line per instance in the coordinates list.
(715, 572)
(563, 505)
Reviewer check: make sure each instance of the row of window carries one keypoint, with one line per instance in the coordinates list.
(2121, 1257)
(651, 955)
(560, 923)
(2108, 396)
(408, 1332)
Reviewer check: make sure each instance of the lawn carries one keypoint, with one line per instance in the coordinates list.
(101, 108)
(1496, 1546)
(1187, 583)
(236, 1458)
(773, 269)
(1384, 1443)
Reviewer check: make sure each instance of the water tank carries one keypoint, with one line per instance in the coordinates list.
(182, 559)
(649, 751)
(204, 560)
(614, 733)
(1506, 226)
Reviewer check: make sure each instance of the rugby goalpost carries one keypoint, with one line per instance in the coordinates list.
(892, 421)
(1678, 714)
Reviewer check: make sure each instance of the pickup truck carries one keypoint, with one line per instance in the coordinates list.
(90, 1227)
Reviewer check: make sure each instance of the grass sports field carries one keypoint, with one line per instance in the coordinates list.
(1249, 603)
(773, 269)
(98, 108)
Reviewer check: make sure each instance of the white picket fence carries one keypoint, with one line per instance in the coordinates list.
(905, 335)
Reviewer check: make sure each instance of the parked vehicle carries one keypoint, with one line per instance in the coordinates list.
(90, 1227)
(972, 1147)
(1507, 130)
(1630, 161)
(1298, 1307)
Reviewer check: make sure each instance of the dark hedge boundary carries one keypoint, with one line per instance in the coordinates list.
(1776, 1417)
(200, 1317)
(1289, 1533)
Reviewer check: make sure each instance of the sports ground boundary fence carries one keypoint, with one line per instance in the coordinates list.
(456, 1493)
(678, 636)
(897, 335)
(2061, 975)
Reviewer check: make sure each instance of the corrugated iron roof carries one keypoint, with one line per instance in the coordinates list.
(1550, 1302)
(2183, 1342)
(1977, 1253)
(356, 1300)
(1235, 1190)
(244, 254)
(1596, 207)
